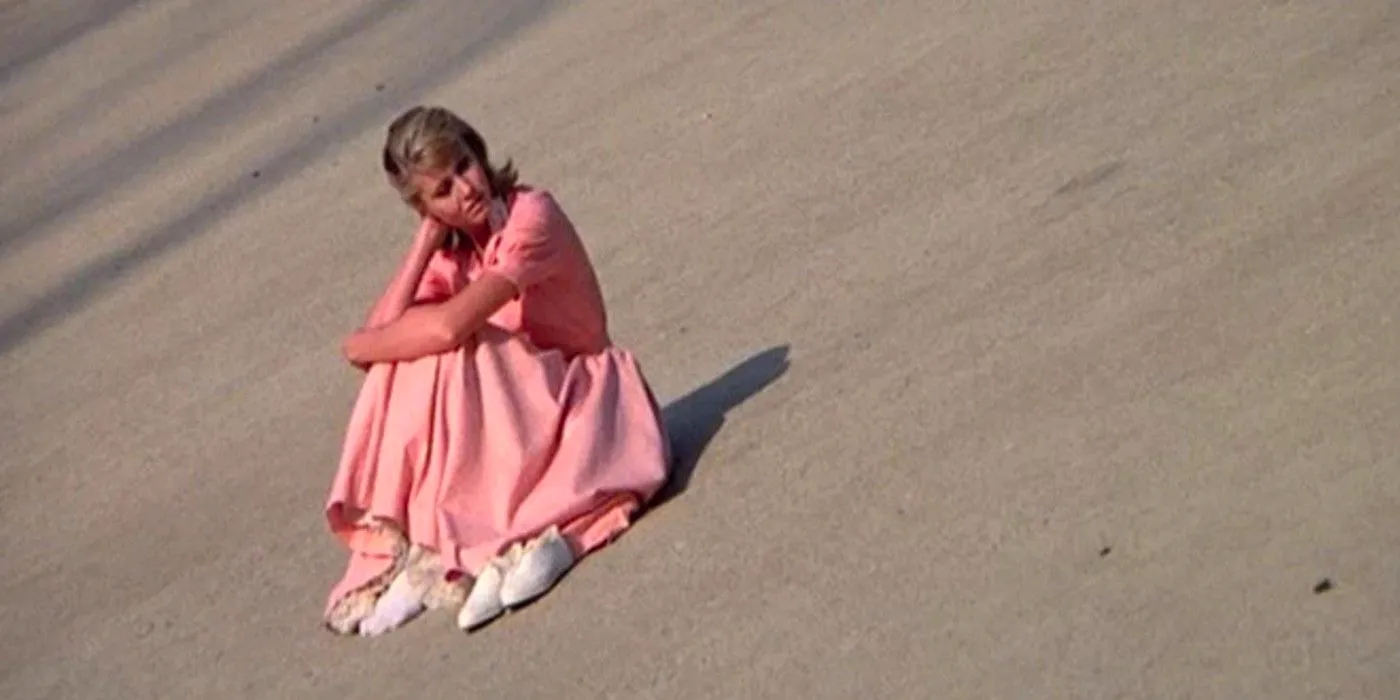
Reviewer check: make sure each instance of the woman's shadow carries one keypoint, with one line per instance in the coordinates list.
(694, 419)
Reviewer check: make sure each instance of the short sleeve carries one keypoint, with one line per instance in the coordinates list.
(530, 248)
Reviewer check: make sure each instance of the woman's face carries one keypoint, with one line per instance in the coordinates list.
(459, 196)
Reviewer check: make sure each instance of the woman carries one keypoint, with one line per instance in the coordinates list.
(499, 430)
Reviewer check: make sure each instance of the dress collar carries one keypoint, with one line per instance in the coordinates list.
(498, 215)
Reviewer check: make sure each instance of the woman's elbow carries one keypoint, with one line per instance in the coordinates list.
(350, 349)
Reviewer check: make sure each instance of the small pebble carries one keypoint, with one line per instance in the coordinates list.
(1323, 586)
(379, 87)
(1105, 551)
(257, 174)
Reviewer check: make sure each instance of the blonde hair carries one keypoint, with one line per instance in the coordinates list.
(425, 137)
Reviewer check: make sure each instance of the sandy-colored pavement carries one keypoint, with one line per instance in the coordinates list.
(1017, 349)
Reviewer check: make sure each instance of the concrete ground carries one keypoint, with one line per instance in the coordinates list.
(1015, 349)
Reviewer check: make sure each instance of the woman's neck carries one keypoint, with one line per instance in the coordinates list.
(480, 234)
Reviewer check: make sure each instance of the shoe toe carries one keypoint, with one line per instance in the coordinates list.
(484, 601)
(541, 566)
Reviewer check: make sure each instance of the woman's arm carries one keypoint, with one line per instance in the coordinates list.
(431, 329)
(398, 296)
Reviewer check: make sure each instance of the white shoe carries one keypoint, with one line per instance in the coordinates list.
(484, 602)
(398, 605)
(404, 599)
(543, 563)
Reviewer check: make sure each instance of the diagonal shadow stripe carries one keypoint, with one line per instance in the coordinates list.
(25, 47)
(133, 161)
(93, 278)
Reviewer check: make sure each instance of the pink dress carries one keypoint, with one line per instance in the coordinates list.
(539, 420)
